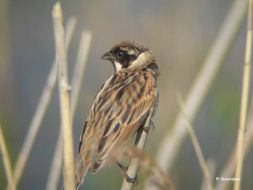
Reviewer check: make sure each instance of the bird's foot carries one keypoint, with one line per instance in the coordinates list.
(147, 128)
(133, 180)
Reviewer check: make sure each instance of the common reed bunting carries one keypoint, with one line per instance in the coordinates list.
(120, 108)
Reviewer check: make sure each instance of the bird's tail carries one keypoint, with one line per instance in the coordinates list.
(81, 170)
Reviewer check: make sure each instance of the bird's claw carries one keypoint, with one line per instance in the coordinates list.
(147, 128)
(133, 180)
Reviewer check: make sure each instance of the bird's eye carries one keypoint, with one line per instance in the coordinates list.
(120, 54)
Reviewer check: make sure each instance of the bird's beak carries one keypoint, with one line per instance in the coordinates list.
(107, 56)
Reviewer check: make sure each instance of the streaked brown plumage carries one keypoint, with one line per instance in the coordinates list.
(120, 107)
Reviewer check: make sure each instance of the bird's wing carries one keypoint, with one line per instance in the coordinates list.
(121, 111)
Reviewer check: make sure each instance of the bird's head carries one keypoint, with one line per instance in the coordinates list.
(129, 55)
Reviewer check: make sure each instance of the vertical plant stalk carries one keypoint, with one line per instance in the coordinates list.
(134, 163)
(52, 177)
(244, 99)
(67, 137)
(79, 69)
(196, 145)
(230, 165)
(40, 111)
(64, 93)
(56, 165)
(6, 161)
(170, 145)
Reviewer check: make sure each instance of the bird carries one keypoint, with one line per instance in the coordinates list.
(120, 108)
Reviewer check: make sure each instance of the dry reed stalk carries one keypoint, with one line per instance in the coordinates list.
(70, 29)
(230, 165)
(79, 70)
(40, 112)
(67, 137)
(53, 176)
(134, 162)
(64, 93)
(244, 99)
(196, 145)
(170, 145)
(6, 162)
(56, 165)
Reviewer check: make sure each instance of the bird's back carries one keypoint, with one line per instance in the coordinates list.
(117, 112)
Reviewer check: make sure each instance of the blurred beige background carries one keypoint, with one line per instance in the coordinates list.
(180, 34)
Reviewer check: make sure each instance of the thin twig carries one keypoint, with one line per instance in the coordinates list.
(230, 165)
(196, 145)
(64, 93)
(134, 163)
(244, 99)
(6, 161)
(79, 70)
(39, 114)
(169, 147)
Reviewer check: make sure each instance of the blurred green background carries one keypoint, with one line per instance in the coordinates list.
(180, 34)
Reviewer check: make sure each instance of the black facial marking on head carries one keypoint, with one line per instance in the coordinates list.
(125, 53)
(120, 54)
(122, 57)
(132, 57)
